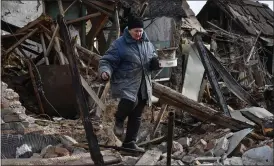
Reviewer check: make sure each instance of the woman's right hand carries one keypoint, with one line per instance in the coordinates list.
(105, 76)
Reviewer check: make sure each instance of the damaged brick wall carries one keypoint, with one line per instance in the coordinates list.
(13, 116)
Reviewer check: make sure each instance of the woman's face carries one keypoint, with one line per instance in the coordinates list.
(136, 33)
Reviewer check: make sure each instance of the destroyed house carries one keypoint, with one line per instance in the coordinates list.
(242, 17)
(240, 33)
(92, 25)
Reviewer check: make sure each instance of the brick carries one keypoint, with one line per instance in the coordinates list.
(61, 151)
(211, 144)
(4, 86)
(10, 94)
(4, 103)
(14, 117)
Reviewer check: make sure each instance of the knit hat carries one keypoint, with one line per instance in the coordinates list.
(135, 22)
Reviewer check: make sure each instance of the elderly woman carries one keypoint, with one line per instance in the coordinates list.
(128, 64)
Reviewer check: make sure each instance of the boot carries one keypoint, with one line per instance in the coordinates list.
(119, 129)
(132, 145)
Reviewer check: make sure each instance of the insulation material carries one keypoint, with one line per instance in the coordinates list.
(193, 75)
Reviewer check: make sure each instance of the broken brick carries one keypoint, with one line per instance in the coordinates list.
(61, 151)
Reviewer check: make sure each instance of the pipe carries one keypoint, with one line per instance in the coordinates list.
(171, 116)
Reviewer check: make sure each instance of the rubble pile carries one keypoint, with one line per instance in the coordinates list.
(222, 113)
(13, 117)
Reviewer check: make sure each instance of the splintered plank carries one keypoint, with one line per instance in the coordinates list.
(92, 94)
(97, 26)
(202, 112)
(21, 41)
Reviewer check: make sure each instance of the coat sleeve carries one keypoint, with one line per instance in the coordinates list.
(110, 61)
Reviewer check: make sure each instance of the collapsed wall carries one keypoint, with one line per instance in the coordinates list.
(13, 116)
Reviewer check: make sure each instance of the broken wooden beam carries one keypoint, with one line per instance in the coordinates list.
(92, 57)
(70, 6)
(202, 112)
(30, 25)
(210, 74)
(35, 87)
(20, 41)
(103, 5)
(44, 48)
(84, 18)
(231, 83)
(99, 23)
(93, 94)
(12, 35)
(97, 8)
(153, 141)
(159, 117)
(94, 148)
(52, 40)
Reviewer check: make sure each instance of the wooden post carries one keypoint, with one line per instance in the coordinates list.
(35, 88)
(117, 23)
(70, 6)
(44, 48)
(52, 40)
(210, 73)
(84, 18)
(94, 148)
(159, 117)
(57, 47)
(60, 5)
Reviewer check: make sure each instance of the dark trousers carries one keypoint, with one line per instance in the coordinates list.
(132, 110)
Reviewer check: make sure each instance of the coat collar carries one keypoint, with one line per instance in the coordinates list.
(129, 39)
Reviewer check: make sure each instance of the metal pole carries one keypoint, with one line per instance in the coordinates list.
(171, 116)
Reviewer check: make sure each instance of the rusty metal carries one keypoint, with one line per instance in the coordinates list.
(170, 134)
(57, 85)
